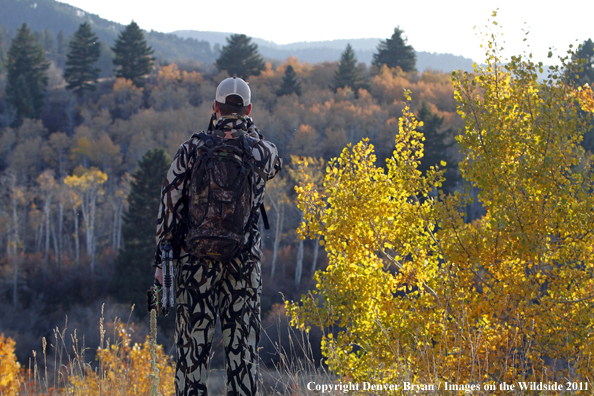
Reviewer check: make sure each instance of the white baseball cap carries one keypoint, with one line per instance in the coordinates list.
(233, 86)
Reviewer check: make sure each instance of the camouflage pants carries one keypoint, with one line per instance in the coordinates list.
(231, 289)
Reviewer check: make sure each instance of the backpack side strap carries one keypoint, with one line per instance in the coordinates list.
(264, 216)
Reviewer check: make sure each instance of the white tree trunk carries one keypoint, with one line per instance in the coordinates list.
(121, 215)
(84, 208)
(15, 245)
(314, 263)
(39, 236)
(280, 217)
(60, 250)
(88, 206)
(76, 241)
(299, 266)
(91, 232)
(47, 206)
(116, 227)
(55, 244)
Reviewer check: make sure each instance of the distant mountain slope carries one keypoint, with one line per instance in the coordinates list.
(201, 46)
(320, 51)
(56, 16)
(42, 14)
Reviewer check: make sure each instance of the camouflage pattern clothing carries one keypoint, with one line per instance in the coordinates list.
(207, 287)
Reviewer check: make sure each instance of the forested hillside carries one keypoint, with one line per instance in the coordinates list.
(55, 22)
(67, 167)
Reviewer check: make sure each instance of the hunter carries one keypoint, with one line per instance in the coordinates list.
(211, 203)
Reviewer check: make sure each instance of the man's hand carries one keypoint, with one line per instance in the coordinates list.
(159, 276)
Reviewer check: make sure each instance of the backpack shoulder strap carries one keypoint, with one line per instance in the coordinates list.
(249, 144)
(190, 170)
(201, 136)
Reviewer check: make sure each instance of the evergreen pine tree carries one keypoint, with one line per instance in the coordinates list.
(2, 60)
(348, 74)
(133, 272)
(394, 52)
(83, 53)
(240, 58)
(133, 58)
(26, 81)
(290, 84)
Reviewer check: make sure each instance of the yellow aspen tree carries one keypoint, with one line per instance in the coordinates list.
(88, 186)
(523, 273)
(47, 189)
(310, 169)
(73, 198)
(413, 291)
(379, 289)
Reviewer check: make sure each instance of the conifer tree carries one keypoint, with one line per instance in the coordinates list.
(290, 84)
(83, 53)
(133, 58)
(4, 45)
(240, 57)
(395, 52)
(1, 49)
(585, 70)
(348, 75)
(133, 274)
(26, 78)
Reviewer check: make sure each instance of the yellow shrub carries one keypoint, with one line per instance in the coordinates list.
(9, 367)
(125, 370)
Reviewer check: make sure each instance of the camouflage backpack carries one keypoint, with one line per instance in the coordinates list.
(220, 198)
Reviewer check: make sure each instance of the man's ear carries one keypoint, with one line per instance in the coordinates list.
(217, 110)
(249, 109)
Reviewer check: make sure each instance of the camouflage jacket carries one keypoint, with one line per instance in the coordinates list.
(174, 193)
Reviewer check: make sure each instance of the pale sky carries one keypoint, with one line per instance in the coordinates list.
(433, 26)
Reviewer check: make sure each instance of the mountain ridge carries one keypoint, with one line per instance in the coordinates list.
(198, 45)
(331, 50)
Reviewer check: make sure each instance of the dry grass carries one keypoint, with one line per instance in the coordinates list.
(63, 368)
